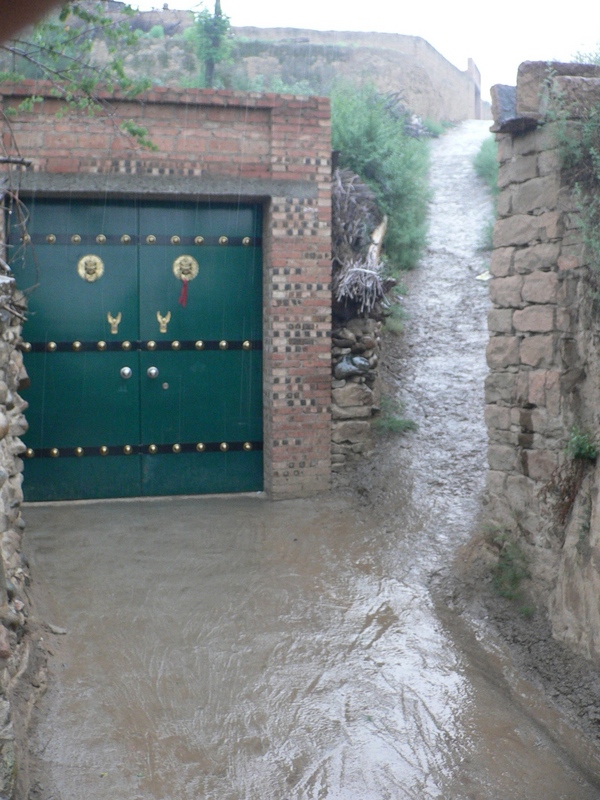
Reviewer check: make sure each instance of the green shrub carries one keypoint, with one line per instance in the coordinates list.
(394, 320)
(434, 128)
(486, 163)
(391, 419)
(581, 445)
(372, 142)
(487, 236)
(511, 568)
(156, 32)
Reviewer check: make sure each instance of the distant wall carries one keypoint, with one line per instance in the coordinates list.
(431, 86)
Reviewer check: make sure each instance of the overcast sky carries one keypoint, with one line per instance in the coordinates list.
(498, 36)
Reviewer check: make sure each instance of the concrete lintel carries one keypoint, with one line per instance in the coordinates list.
(162, 186)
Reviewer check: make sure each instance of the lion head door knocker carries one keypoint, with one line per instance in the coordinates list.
(185, 268)
(163, 321)
(114, 322)
(90, 268)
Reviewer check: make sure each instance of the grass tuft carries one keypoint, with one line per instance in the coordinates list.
(391, 419)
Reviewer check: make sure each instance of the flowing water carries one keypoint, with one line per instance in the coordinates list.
(236, 649)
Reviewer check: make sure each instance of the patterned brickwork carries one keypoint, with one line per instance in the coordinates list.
(206, 135)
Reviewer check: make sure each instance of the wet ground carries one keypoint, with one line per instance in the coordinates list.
(235, 649)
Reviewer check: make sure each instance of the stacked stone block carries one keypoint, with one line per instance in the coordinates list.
(355, 397)
(18, 653)
(532, 346)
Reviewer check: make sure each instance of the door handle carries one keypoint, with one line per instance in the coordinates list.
(126, 373)
(163, 321)
(114, 322)
(152, 372)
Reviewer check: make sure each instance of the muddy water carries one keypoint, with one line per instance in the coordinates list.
(234, 649)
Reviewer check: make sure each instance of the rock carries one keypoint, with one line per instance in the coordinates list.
(361, 326)
(10, 617)
(358, 348)
(4, 713)
(342, 337)
(18, 425)
(353, 394)
(349, 412)
(369, 342)
(350, 431)
(346, 333)
(5, 650)
(56, 629)
(350, 366)
(504, 109)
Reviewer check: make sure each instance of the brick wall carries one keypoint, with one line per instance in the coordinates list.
(221, 145)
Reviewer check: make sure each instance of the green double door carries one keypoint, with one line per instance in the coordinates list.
(143, 348)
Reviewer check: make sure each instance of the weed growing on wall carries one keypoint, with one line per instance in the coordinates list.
(561, 490)
(581, 445)
(580, 159)
(372, 142)
(485, 164)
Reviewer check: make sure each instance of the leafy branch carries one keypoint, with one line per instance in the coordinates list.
(60, 49)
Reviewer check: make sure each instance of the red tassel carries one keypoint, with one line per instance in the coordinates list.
(183, 296)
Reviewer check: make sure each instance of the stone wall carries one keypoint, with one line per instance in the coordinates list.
(356, 388)
(20, 654)
(544, 351)
(221, 145)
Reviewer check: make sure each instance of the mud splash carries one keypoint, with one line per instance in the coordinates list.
(234, 649)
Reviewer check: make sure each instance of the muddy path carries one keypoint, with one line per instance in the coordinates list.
(234, 649)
